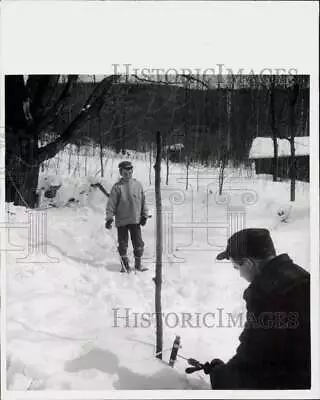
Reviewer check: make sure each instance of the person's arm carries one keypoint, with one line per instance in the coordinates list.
(229, 375)
(258, 350)
(144, 208)
(112, 203)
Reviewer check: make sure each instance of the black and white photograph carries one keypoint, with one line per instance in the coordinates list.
(157, 224)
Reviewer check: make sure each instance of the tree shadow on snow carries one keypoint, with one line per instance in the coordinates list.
(102, 360)
(107, 362)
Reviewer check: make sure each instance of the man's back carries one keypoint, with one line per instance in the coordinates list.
(274, 350)
(278, 300)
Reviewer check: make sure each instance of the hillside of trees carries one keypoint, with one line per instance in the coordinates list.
(215, 125)
(198, 118)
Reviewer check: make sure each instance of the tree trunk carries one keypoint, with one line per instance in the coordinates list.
(167, 159)
(22, 169)
(31, 109)
(274, 131)
(221, 172)
(101, 159)
(150, 162)
(101, 147)
(158, 277)
(86, 163)
(275, 159)
(167, 165)
(117, 134)
(116, 123)
(293, 174)
(21, 145)
(187, 176)
(226, 149)
(123, 143)
(69, 161)
(186, 129)
(292, 170)
(198, 178)
(78, 167)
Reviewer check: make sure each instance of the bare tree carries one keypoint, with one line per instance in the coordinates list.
(158, 277)
(223, 163)
(32, 108)
(101, 146)
(225, 150)
(293, 90)
(167, 152)
(100, 135)
(168, 143)
(186, 129)
(86, 162)
(69, 159)
(272, 84)
(274, 129)
(150, 162)
(293, 97)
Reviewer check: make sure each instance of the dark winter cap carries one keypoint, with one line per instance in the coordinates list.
(125, 165)
(249, 243)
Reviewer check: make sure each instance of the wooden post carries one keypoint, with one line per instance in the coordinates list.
(158, 277)
(101, 146)
(293, 172)
(150, 161)
(274, 131)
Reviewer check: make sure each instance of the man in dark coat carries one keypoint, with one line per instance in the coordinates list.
(274, 350)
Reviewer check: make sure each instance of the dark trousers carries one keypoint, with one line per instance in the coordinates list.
(136, 239)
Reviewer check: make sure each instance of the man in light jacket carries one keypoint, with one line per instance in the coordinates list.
(127, 204)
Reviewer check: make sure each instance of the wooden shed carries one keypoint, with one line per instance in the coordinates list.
(261, 153)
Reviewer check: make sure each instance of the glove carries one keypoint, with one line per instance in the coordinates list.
(109, 223)
(196, 366)
(208, 368)
(143, 220)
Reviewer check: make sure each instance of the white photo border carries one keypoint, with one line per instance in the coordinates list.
(88, 37)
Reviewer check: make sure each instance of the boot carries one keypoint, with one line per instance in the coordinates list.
(137, 264)
(125, 267)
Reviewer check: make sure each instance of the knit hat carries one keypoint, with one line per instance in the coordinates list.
(255, 243)
(125, 165)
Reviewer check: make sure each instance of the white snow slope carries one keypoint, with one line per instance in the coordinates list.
(67, 302)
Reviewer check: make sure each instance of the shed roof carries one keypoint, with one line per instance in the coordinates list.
(262, 147)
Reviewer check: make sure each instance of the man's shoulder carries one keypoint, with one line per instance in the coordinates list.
(136, 182)
(117, 185)
(122, 182)
(287, 269)
(280, 276)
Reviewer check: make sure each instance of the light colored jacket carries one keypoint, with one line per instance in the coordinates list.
(126, 202)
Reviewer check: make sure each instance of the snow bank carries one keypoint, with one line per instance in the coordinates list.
(75, 322)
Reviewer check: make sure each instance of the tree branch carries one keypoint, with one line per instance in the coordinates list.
(194, 79)
(41, 89)
(51, 113)
(91, 106)
(158, 82)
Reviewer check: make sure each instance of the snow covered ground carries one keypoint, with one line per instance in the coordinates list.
(75, 323)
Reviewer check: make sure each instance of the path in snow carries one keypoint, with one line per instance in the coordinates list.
(61, 315)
